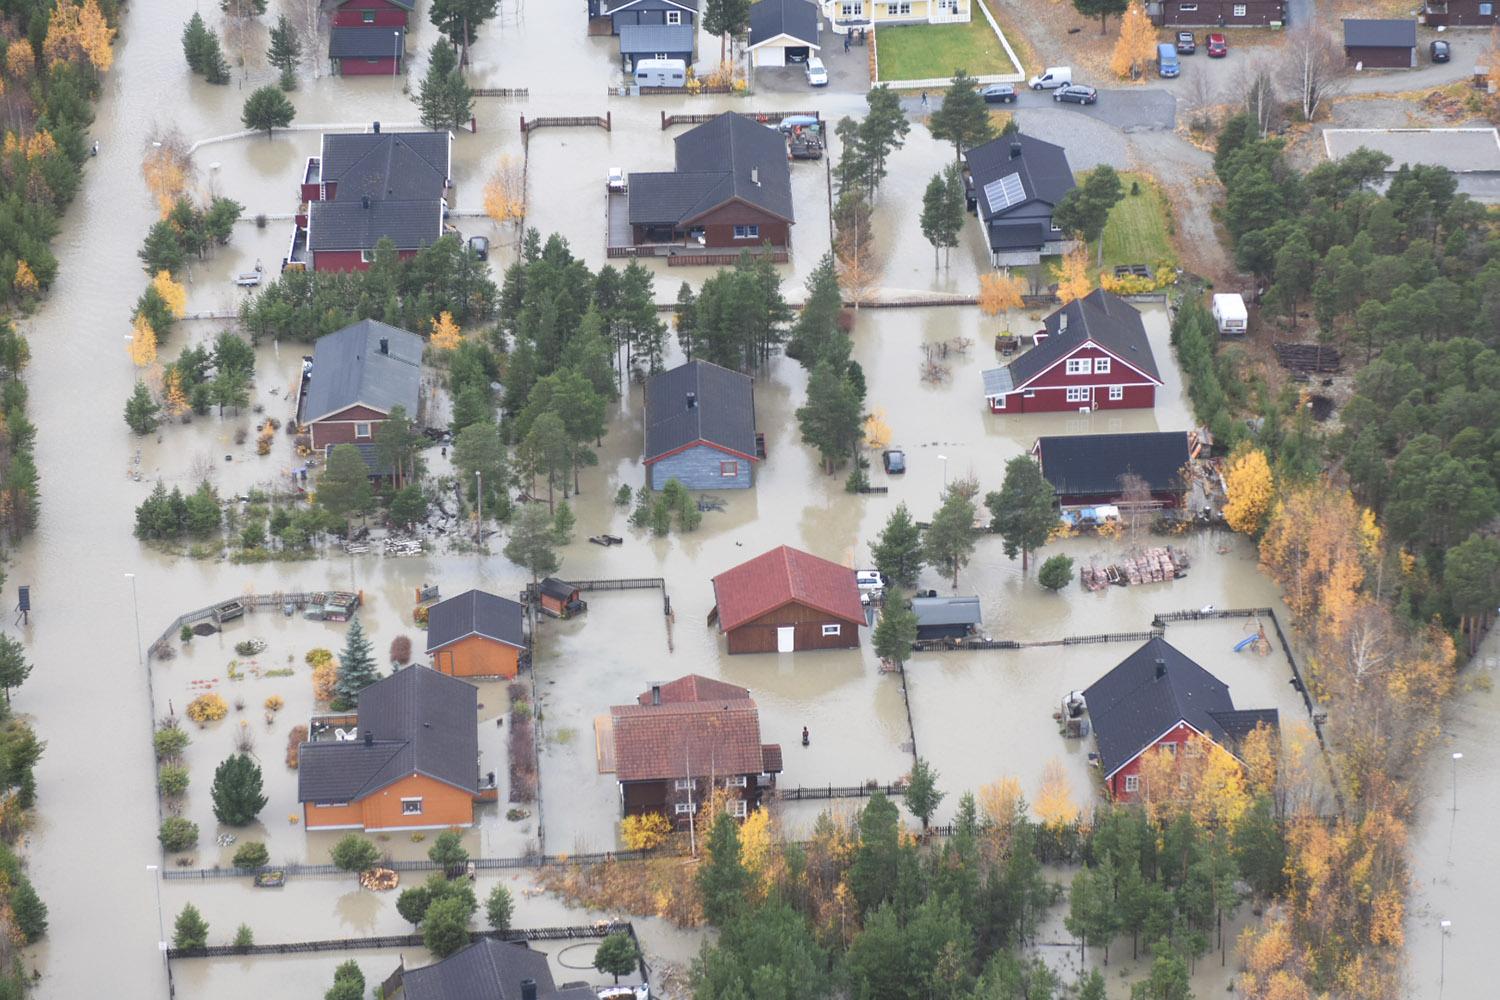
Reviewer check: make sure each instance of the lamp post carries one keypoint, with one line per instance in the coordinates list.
(161, 926)
(479, 495)
(1456, 758)
(395, 60)
(944, 460)
(140, 656)
(1443, 926)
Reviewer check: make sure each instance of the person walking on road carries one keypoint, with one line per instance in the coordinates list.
(924, 100)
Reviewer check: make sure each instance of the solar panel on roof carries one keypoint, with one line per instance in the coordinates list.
(1005, 192)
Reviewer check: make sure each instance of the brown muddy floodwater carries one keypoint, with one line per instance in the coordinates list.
(978, 716)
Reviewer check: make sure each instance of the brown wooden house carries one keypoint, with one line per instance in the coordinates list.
(786, 600)
(682, 740)
(1380, 43)
(358, 376)
(1216, 13)
(476, 634)
(559, 598)
(1461, 13)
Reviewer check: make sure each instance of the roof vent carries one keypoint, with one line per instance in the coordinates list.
(656, 694)
(1015, 150)
(385, 345)
(692, 400)
(1161, 668)
(755, 176)
(528, 989)
(1062, 322)
(369, 738)
(364, 202)
(375, 128)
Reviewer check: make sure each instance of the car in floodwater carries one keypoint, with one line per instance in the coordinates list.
(1075, 93)
(894, 460)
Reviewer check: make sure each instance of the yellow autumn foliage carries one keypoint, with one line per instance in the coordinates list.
(317, 656)
(446, 335)
(19, 59)
(1000, 293)
(174, 400)
(165, 170)
(1075, 277)
(209, 707)
(645, 832)
(40, 144)
(25, 280)
(1136, 46)
(324, 677)
(1252, 489)
(95, 36)
(877, 431)
(505, 192)
(1054, 801)
(142, 348)
(173, 293)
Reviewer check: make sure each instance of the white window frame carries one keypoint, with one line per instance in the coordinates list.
(1169, 747)
(736, 781)
(367, 17)
(1132, 782)
(407, 805)
(739, 808)
(685, 808)
(1056, 228)
(1116, 393)
(361, 428)
(1486, 10)
(829, 630)
(729, 470)
(684, 785)
(1101, 366)
(1079, 366)
(1238, 10)
(1188, 8)
(1078, 394)
(999, 402)
(367, 256)
(751, 232)
(674, 17)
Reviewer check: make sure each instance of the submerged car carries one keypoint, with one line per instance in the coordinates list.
(999, 93)
(895, 461)
(1076, 93)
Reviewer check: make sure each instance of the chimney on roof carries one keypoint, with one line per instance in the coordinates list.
(1015, 149)
(364, 201)
(1161, 668)
(1062, 322)
(528, 989)
(375, 128)
(656, 694)
(692, 400)
(369, 738)
(755, 176)
(385, 345)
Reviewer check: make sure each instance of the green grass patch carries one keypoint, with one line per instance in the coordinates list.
(929, 51)
(1139, 227)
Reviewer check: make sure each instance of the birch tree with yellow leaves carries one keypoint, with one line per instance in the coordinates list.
(1075, 277)
(505, 192)
(1136, 46)
(446, 335)
(1000, 293)
(167, 169)
(1054, 804)
(142, 347)
(172, 292)
(1251, 489)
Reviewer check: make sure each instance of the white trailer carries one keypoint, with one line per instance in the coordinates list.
(1230, 315)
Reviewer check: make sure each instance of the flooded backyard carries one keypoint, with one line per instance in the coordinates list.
(97, 593)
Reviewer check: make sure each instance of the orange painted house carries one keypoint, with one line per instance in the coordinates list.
(476, 634)
(413, 765)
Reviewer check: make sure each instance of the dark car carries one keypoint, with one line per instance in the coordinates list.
(999, 93)
(1186, 43)
(1076, 93)
(1218, 48)
(479, 246)
(895, 461)
(1439, 51)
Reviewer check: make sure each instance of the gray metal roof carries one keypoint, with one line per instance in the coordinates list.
(1381, 33)
(1041, 167)
(349, 367)
(1102, 317)
(1092, 464)
(637, 39)
(722, 414)
(997, 382)
(485, 970)
(730, 157)
(401, 166)
(770, 18)
(350, 225)
(423, 722)
(365, 42)
(474, 612)
(947, 610)
(615, 6)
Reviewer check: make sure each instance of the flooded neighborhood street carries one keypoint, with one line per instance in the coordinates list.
(99, 596)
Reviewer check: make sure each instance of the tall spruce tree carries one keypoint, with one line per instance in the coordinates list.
(898, 550)
(285, 51)
(356, 667)
(1022, 511)
(964, 118)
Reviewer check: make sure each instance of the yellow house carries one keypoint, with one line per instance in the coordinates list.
(846, 14)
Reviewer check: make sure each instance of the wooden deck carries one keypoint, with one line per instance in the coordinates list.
(604, 742)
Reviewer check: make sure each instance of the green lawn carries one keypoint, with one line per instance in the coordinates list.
(1137, 229)
(929, 51)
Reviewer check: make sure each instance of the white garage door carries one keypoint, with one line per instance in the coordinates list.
(786, 639)
(771, 55)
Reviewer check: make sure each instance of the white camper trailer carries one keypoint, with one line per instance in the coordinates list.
(1229, 314)
(660, 73)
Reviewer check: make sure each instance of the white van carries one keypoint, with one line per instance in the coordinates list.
(660, 73)
(1052, 78)
(1230, 314)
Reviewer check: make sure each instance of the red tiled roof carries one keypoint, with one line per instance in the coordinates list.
(770, 758)
(655, 742)
(781, 576)
(695, 687)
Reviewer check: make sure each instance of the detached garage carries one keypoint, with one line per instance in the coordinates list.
(1380, 44)
(656, 41)
(783, 32)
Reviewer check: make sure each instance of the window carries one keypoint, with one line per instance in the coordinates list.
(367, 16)
(1056, 228)
(674, 17)
(683, 784)
(736, 781)
(1239, 10)
(1079, 366)
(1187, 8)
(1078, 394)
(1116, 393)
(1028, 395)
(1101, 366)
(366, 256)
(1170, 749)
(746, 232)
(900, 8)
(684, 808)
(729, 470)
(1486, 9)
(1193, 748)
(372, 60)
(851, 9)
(361, 430)
(411, 807)
(998, 402)
(739, 809)
(1132, 783)
(833, 630)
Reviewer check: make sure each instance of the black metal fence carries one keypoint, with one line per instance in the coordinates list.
(802, 792)
(421, 865)
(582, 932)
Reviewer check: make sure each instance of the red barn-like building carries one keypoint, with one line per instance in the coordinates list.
(786, 600)
(1092, 355)
(1157, 697)
(368, 37)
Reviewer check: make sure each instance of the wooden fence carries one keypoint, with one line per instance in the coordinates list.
(420, 865)
(502, 92)
(585, 932)
(801, 793)
(252, 602)
(722, 259)
(577, 121)
(766, 117)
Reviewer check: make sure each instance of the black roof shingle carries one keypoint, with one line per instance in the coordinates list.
(641, 39)
(730, 157)
(721, 412)
(401, 166)
(796, 18)
(1100, 316)
(349, 367)
(351, 42)
(1092, 464)
(1380, 33)
(1041, 167)
(352, 225)
(474, 612)
(485, 970)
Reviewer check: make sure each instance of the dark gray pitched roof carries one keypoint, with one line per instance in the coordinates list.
(350, 42)
(1092, 464)
(1017, 235)
(1042, 169)
(728, 157)
(947, 610)
(615, 6)
(474, 612)
(348, 368)
(553, 587)
(1380, 33)
(404, 4)
(400, 166)
(1131, 706)
(637, 39)
(485, 970)
(349, 225)
(797, 18)
(723, 414)
(423, 722)
(1103, 317)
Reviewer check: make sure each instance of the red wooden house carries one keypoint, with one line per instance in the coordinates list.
(1086, 470)
(1157, 697)
(368, 37)
(358, 376)
(1093, 354)
(786, 600)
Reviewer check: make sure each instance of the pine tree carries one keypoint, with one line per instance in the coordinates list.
(1022, 512)
(816, 336)
(533, 542)
(722, 878)
(237, 791)
(195, 43)
(344, 487)
(215, 66)
(191, 930)
(896, 630)
(433, 96)
(356, 668)
(267, 109)
(949, 540)
(285, 51)
(922, 793)
(831, 421)
(898, 551)
(964, 118)
(934, 217)
(141, 411)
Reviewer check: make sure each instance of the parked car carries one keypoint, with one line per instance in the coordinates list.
(1166, 61)
(1052, 77)
(999, 93)
(895, 461)
(1218, 48)
(817, 73)
(479, 246)
(1076, 93)
(1439, 51)
(1186, 43)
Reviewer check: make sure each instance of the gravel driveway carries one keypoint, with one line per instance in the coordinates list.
(1138, 110)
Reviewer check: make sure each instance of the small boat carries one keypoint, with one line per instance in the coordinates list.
(247, 279)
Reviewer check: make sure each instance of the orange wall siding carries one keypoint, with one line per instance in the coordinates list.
(442, 805)
(316, 817)
(476, 656)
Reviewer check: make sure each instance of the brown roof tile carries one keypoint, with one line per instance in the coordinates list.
(695, 687)
(780, 577)
(654, 742)
(770, 758)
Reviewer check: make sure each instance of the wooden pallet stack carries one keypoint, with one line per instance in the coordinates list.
(1159, 564)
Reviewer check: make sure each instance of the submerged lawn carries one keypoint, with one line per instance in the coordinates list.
(929, 51)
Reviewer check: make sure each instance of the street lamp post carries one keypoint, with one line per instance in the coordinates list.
(479, 495)
(395, 59)
(161, 926)
(140, 656)
(1456, 758)
(1443, 926)
(944, 460)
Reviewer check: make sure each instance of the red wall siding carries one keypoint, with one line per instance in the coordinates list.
(1136, 397)
(719, 224)
(1373, 57)
(759, 635)
(325, 433)
(1116, 784)
(387, 15)
(312, 192)
(347, 260)
(364, 67)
